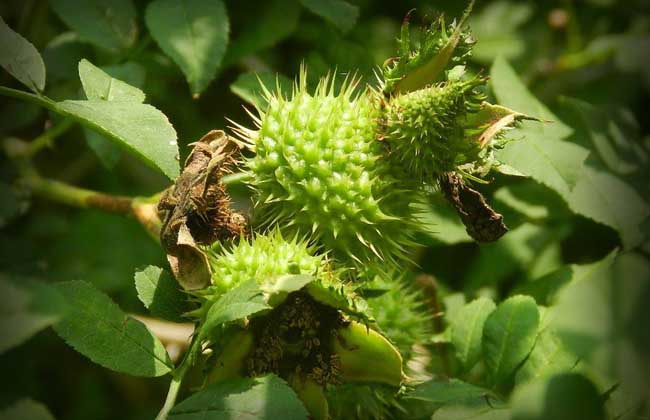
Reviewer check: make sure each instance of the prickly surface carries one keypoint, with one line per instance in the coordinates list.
(426, 129)
(263, 258)
(319, 171)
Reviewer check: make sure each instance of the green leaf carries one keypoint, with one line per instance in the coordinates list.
(247, 87)
(508, 336)
(496, 29)
(21, 59)
(607, 199)
(440, 221)
(273, 21)
(99, 86)
(276, 291)
(340, 13)
(109, 24)
(26, 309)
(24, 409)
(194, 33)
(267, 398)
(427, 397)
(467, 330)
(98, 329)
(562, 397)
(159, 293)
(478, 410)
(244, 300)
(140, 128)
(549, 357)
(539, 150)
(133, 75)
(617, 149)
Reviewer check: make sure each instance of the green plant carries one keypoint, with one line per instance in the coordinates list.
(299, 252)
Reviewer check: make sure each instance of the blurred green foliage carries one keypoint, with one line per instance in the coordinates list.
(587, 61)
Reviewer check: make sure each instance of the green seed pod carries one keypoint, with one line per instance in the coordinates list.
(231, 361)
(312, 396)
(367, 356)
(402, 316)
(265, 257)
(426, 129)
(319, 172)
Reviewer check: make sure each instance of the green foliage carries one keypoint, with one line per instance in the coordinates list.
(194, 34)
(159, 293)
(548, 322)
(105, 23)
(97, 328)
(21, 59)
(268, 397)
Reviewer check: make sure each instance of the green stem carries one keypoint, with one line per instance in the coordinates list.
(177, 378)
(138, 207)
(29, 97)
(45, 139)
(236, 178)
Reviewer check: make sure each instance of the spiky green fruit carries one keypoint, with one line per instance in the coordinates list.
(263, 258)
(319, 171)
(427, 129)
(440, 47)
(402, 315)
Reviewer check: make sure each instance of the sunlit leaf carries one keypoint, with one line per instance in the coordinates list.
(194, 33)
(97, 328)
(21, 59)
(159, 293)
(467, 330)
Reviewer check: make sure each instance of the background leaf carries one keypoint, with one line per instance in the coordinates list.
(539, 150)
(26, 309)
(109, 24)
(140, 128)
(244, 300)
(561, 397)
(159, 293)
(267, 398)
(21, 59)
(273, 21)
(467, 330)
(508, 336)
(26, 409)
(340, 13)
(100, 86)
(194, 33)
(98, 329)
(247, 87)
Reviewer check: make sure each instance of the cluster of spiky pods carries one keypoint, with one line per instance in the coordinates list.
(335, 173)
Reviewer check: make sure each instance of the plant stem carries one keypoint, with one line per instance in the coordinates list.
(29, 97)
(142, 209)
(45, 139)
(177, 378)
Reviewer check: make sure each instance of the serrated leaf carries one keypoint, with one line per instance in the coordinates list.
(273, 21)
(247, 87)
(340, 13)
(109, 24)
(607, 199)
(276, 291)
(97, 328)
(267, 398)
(21, 59)
(539, 150)
(139, 128)
(549, 357)
(24, 409)
(508, 336)
(26, 309)
(159, 293)
(426, 398)
(244, 300)
(100, 86)
(562, 397)
(617, 149)
(467, 330)
(194, 33)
